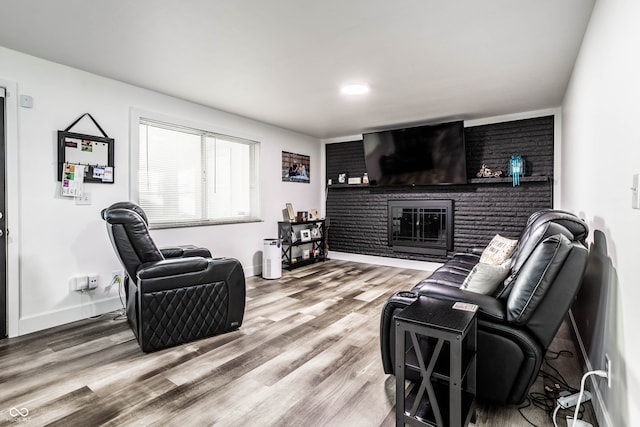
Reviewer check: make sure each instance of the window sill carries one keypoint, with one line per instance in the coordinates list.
(225, 221)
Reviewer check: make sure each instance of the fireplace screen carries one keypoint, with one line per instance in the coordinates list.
(421, 226)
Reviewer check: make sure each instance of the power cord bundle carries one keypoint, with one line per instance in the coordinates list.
(122, 313)
(555, 386)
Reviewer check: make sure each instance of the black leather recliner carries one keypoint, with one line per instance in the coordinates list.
(517, 324)
(174, 295)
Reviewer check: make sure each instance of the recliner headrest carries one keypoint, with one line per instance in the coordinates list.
(537, 276)
(536, 235)
(130, 235)
(571, 222)
(123, 216)
(126, 205)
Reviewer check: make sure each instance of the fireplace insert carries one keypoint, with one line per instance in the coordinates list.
(421, 226)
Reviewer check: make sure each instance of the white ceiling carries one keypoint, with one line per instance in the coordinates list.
(283, 61)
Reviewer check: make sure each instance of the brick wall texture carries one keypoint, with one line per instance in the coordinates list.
(357, 215)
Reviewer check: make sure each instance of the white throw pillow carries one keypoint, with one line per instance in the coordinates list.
(498, 251)
(486, 278)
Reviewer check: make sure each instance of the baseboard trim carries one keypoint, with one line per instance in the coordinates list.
(49, 319)
(253, 270)
(388, 262)
(602, 414)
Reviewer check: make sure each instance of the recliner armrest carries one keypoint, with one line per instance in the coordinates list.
(172, 267)
(488, 306)
(184, 272)
(476, 250)
(183, 251)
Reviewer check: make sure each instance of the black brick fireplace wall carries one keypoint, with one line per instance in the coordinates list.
(357, 214)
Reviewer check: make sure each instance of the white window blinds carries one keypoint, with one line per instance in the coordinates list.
(193, 177)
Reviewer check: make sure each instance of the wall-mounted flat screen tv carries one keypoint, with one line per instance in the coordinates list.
(422, 155)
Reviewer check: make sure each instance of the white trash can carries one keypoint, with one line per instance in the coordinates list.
(271, 259)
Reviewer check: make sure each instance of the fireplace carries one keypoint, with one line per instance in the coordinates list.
(421, 226)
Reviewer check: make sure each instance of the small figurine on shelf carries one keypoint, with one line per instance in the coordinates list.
(516, 167)
(365, 178)
(487, 172)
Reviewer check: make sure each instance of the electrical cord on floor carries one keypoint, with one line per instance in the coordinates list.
(599, 373)
(559, 382)
(554, 355)
(554, 385)
(555, 414)
(520, 408)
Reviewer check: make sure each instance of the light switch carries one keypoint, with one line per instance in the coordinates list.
(84, 199)
(26, 101)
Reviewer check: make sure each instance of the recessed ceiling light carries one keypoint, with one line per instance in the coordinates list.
(355, 89)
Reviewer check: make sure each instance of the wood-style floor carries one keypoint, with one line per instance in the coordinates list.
(307, 355)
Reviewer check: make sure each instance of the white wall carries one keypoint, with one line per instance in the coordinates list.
(601, 152)
(58, 239)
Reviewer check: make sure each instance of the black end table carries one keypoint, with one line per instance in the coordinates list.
(436, 341)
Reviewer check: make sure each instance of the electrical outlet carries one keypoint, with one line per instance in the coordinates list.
(80, 283)
(93, 281)
(607, 368)
(116, 278)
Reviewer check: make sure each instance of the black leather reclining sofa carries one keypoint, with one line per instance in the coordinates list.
(518, 322)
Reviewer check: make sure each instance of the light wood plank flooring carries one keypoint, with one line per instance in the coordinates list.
(307, 355)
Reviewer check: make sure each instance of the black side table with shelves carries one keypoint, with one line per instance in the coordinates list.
(436, 340)
(303, 242)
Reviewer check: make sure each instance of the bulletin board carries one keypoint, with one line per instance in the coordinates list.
(94, 152)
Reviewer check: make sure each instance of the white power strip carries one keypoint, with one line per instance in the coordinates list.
(572, 400)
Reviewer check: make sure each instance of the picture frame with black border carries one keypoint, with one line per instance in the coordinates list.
(296, 167)
(305, 235)
(96, 153)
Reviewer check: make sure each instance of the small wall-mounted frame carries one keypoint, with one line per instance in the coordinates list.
(296, 167)
(95, 152)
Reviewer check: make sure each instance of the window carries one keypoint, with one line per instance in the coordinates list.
(193, 177)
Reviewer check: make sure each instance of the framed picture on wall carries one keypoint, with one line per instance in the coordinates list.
(296, 167)
(95, 153)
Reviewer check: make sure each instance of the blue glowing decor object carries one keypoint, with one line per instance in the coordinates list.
(516, 169)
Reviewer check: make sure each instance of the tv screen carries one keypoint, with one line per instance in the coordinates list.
(422, 155)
